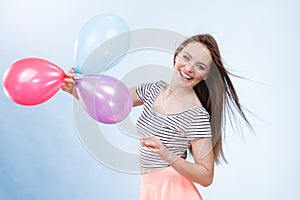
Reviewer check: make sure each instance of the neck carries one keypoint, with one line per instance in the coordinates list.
(178, 90)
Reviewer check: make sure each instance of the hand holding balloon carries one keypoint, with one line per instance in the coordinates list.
(69, 84)
(32, 81)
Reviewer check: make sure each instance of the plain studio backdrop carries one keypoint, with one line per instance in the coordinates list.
(41, 154)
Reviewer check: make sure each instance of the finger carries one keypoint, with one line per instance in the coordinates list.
(144, 139)
(72, 70)
(64, 87)
(155, 139)
(69, 80)
(70, 75)
(149, 144)
(70, 85)
(149, 138)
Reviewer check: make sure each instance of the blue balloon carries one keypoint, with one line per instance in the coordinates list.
(101, 44)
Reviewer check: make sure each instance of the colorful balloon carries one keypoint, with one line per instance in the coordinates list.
(104, 39)
(106, 99)
(32, 81)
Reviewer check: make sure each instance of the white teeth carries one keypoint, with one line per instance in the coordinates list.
(185, 75)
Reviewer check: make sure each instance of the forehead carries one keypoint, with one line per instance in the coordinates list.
(198, 51)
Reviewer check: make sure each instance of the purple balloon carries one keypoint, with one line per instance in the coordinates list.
(106, 99)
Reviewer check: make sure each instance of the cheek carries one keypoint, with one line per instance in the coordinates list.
(202, 75)
(177, 64)
(205, 73)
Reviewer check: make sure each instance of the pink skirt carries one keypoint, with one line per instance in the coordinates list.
(167, 184)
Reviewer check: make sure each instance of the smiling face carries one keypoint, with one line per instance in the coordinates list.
(192, 64)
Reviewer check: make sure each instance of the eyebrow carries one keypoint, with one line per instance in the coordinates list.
(197, 61)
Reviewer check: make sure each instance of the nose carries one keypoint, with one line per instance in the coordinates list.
(189, 67)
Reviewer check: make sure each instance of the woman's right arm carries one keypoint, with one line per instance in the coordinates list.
(69, 85)
(135, 98)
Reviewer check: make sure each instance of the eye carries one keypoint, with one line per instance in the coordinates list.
(186, 58)
(200, 67)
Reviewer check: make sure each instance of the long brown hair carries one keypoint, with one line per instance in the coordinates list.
(216, 93)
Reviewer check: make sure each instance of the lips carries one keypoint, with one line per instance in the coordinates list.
(186, 76)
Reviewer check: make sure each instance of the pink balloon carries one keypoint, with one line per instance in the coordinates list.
(32, 81)
(106, 99)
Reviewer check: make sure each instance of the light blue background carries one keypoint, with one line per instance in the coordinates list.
(41, 156)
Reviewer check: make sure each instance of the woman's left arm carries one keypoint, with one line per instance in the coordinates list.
(202, 171)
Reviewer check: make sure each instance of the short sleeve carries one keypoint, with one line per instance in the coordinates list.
(142, 90)
(199, 127)
(146, 90)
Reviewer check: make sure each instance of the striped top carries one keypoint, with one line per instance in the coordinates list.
(176, 131)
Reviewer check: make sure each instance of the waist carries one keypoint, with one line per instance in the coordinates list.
(150, 170)
(155, 174)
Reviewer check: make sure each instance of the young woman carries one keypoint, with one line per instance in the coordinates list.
(186, 114)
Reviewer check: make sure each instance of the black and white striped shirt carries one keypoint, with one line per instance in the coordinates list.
(176, 131)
